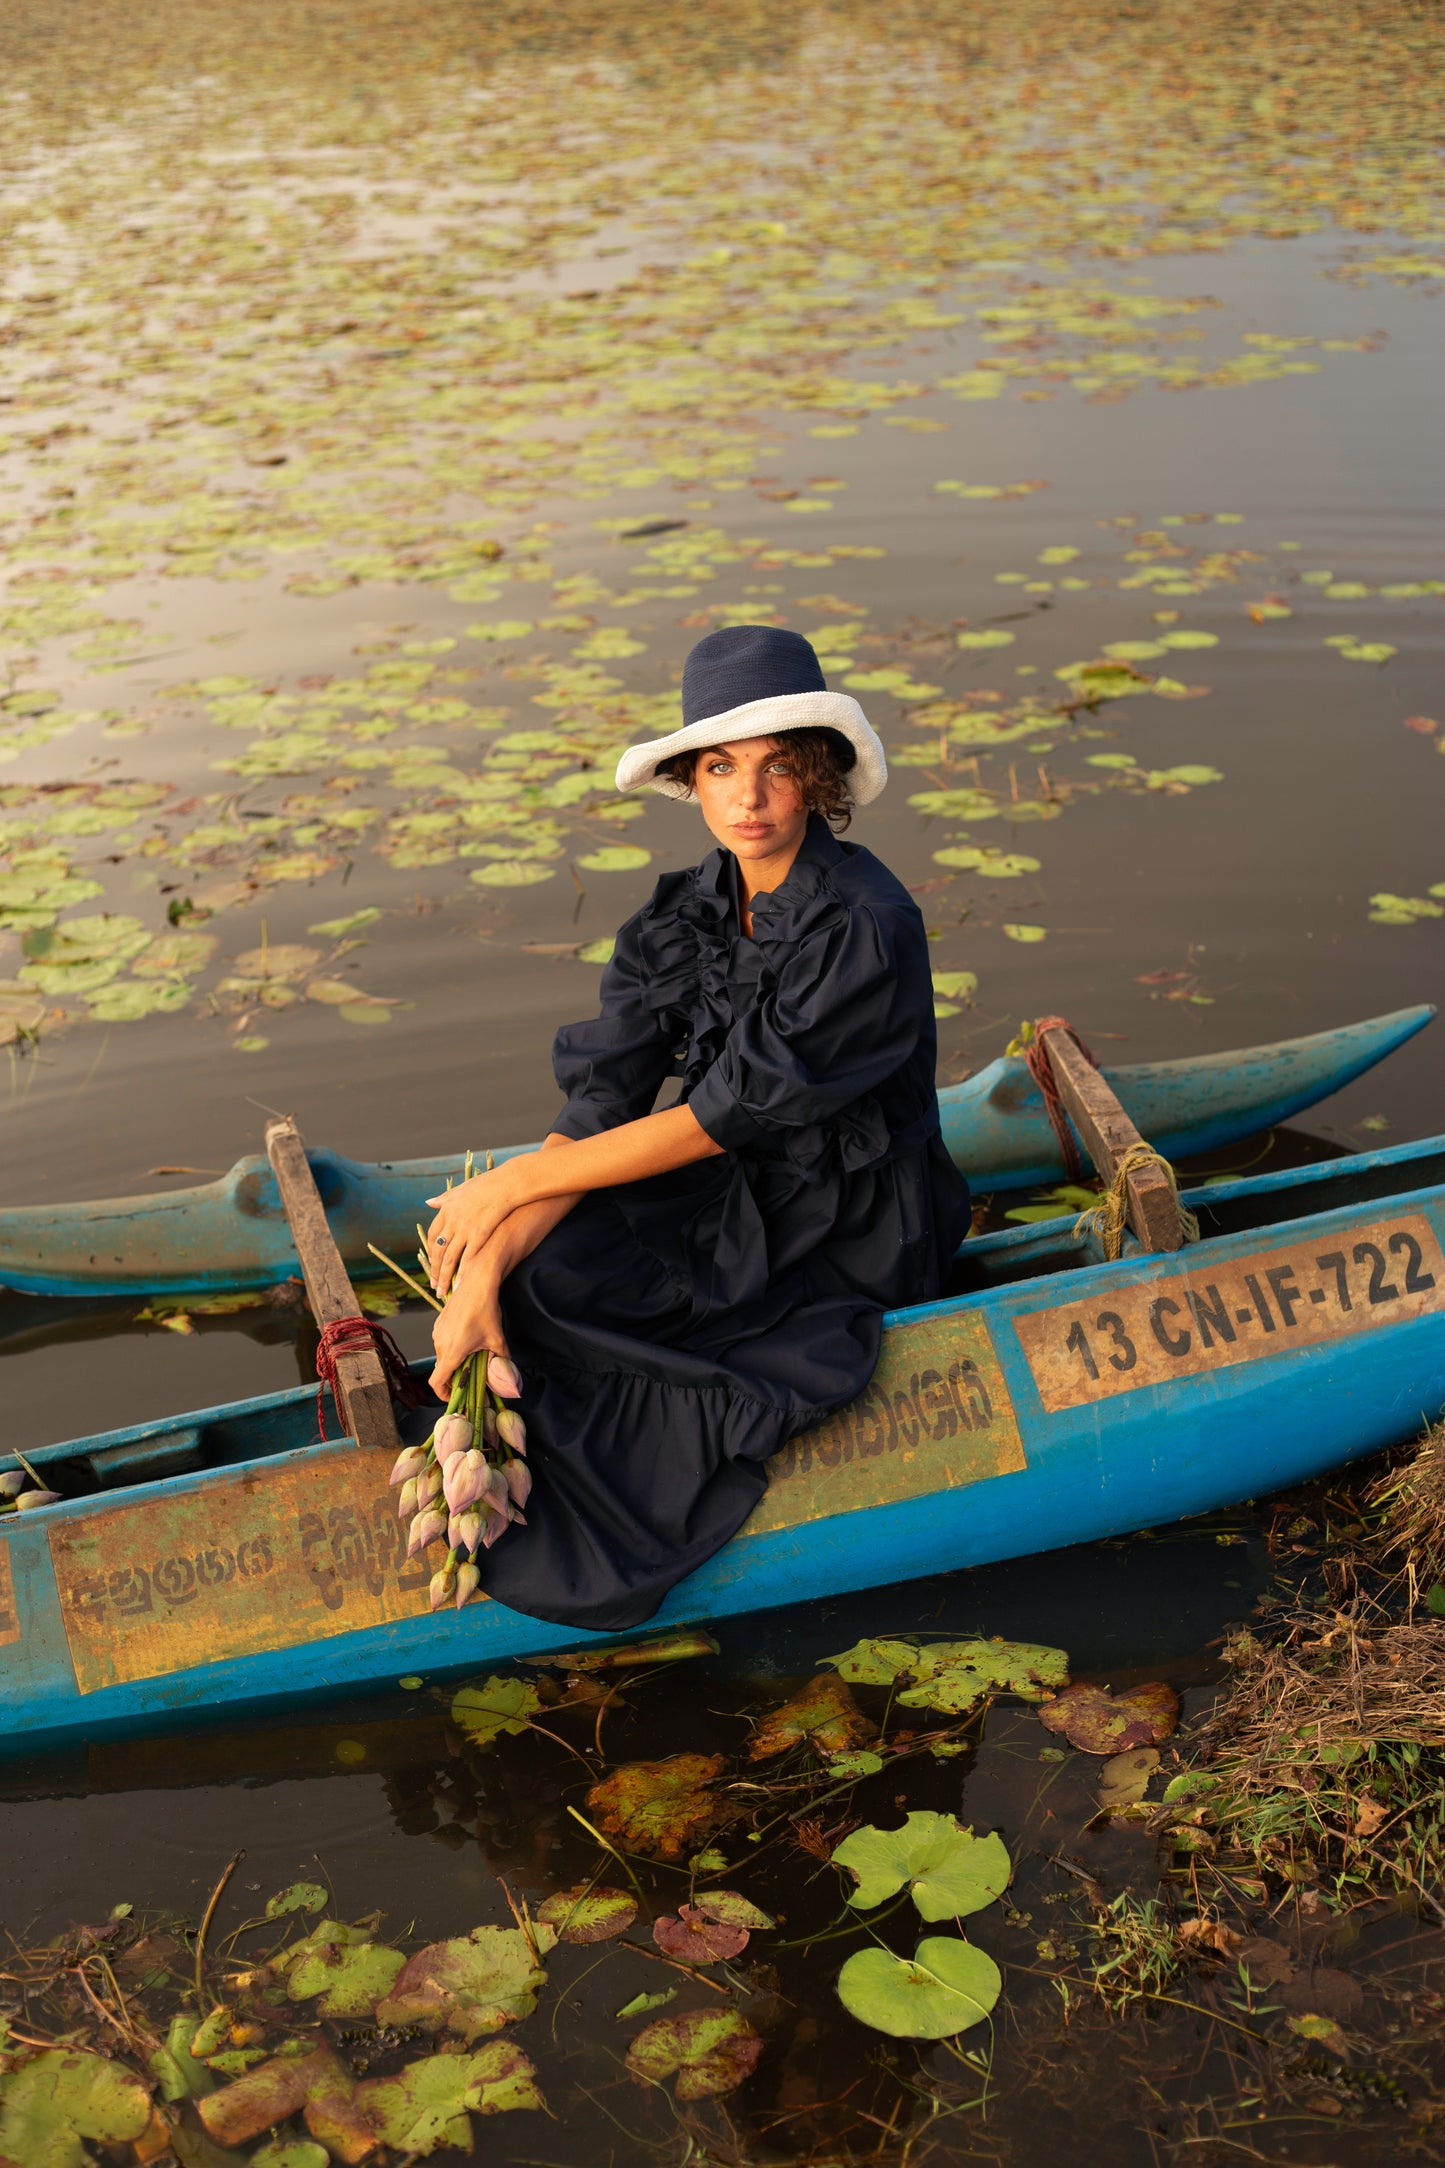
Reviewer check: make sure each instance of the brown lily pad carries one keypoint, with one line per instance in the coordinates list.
(696, 1939)
(1124, 1778)
(822, 1714)
(317, 2084)
(585, 1914)
(711, 2051)
(661, 1807)
(1097, 1722)
(475, 1984)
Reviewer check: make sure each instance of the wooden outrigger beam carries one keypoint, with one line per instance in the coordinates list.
(1107, 1133)
(362, 1392)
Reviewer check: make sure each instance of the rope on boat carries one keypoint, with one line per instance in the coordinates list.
(350, 1335)
(1036, 1055)
(1106, 1219)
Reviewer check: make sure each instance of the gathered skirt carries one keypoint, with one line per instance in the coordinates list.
(673, 1334)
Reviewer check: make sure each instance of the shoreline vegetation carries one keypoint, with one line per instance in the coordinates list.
(1243, 1913)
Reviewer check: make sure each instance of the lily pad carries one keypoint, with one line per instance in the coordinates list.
(1024, 932)
(475, 1984)
(279, 960)
(711, 2051)
(822, 1714)
(696, 1939)
(731, 1906)
(946, 1987)
(947, 1870)
(1102, 1723)
(174, 2066)
(995, 638)
(1124, 1778)
(61, 2097)
(300, 1897)
(660, 1807)
(586, 1914)
(291, 2153)
(351, 1975)
(486, 1710)
(597, 952)
(616, 858)
(953, 1676)
(427, 2105)
(512, 873)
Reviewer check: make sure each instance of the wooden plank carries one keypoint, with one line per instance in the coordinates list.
(361, 1384)
(1108, 1133)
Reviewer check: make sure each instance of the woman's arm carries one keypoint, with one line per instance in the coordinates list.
(472, 1318)
(469, 1216)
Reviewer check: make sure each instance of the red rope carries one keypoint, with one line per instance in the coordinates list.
(350, 1335)
(1036, 1054)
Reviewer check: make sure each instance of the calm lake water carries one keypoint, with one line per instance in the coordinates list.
(1225, 906)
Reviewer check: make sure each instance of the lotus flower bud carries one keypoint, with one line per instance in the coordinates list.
(499, 1497)
(424, 1530)
(30, 1498)
(504, 1378)
(489, 1423)
(409, 1462)
(11, 1483)
(406, 1503)
(518, 1477)
(442, 1583)
(452, 1435)
(468, 1579)
(466, 1480)
(466, 1529)
(512, 1431)
(428, 1486)
(497, 1525)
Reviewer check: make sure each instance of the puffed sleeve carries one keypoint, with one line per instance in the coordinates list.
(611, 1068)
(846, 1012)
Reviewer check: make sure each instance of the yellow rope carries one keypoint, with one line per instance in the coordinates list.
(1107, 1218)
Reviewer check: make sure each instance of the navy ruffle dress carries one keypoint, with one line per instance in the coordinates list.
(673, 1333)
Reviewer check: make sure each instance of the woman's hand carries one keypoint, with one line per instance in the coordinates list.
(472, 1318)
(469, 1216)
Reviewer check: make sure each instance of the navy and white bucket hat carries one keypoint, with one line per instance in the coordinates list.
(756, 681)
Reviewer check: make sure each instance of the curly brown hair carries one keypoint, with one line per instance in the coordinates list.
(818, 762)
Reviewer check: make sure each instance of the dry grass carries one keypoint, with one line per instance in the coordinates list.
(1412, 1501)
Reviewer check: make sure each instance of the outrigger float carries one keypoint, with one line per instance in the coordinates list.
(226, 1561)
(233, 1232)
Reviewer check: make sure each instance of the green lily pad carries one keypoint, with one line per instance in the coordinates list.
(597, 952)
(945, 1988)
(427, 2105)
(126, 1001)
(300, 1897)
(175, 2068)
(948, 1871)
(954, 1676)
(584, 1914)
(995, 638)
(278, 960)
(710, 2051)
(350, 1973)
(174, 955)
(60, 2098)
(1024, 932)
(616, 858)
(474, 1984)
(291, 2153)
(486, 1710)
(336, 929)
(1187, 639)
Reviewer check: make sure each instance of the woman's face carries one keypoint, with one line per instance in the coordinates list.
(750, 801)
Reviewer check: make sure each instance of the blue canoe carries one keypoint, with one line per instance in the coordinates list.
(224, 1562)
(233, 1232)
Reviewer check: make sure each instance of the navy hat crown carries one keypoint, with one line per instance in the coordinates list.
(742, 663)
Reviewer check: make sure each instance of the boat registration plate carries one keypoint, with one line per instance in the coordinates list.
(936, 1415)
(269, 1560)
(1223, 1311)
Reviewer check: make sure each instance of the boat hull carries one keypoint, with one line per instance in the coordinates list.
(233, 1232)
(1046, 1412)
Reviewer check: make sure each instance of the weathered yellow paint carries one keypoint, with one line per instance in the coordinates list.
(269, 1559)
(1223, 1311)
(936, 1416)
(9, 1615)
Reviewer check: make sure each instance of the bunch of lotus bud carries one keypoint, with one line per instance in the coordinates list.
(15, 1498)
(470, 1480)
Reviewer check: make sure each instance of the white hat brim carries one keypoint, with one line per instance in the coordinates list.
(770, 718)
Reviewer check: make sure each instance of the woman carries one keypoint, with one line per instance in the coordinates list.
(686, 1290)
